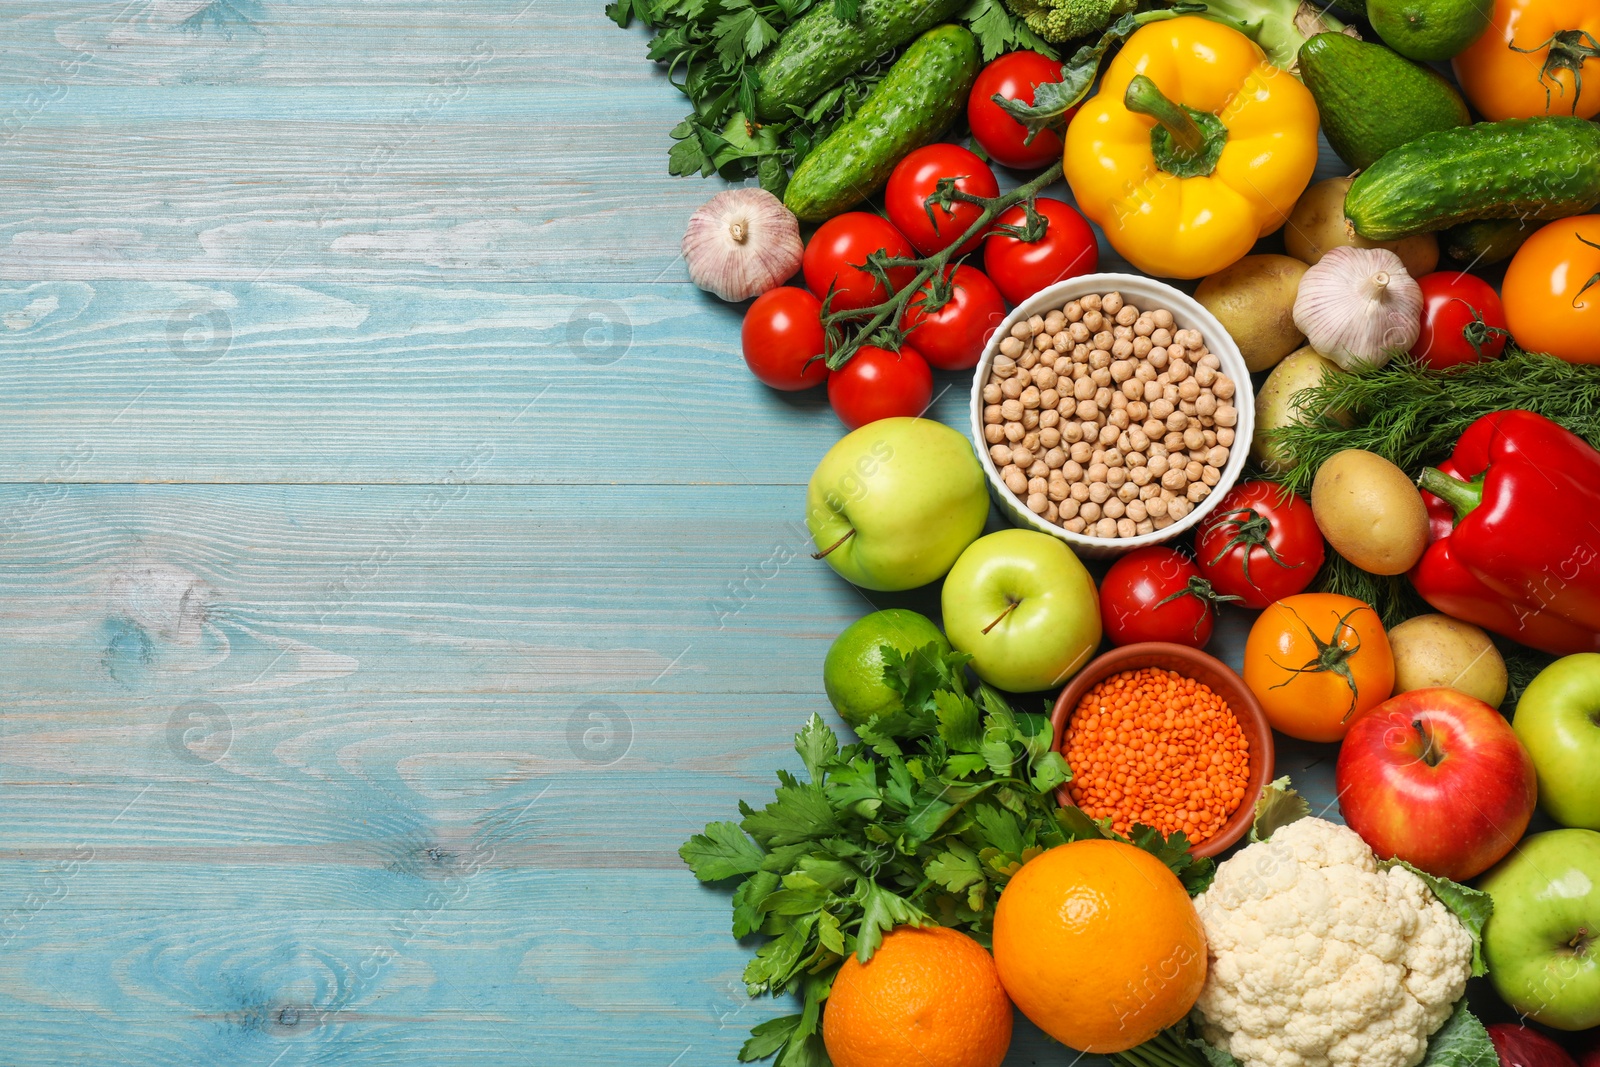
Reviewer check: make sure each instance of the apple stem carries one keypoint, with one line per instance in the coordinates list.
(1580, 941)
(836, 544)
(1430, 755)
(1009, 609)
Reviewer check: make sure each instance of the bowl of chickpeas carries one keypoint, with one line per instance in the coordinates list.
(1111, 411)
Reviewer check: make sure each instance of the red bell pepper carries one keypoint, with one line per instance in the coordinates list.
(1521, 496)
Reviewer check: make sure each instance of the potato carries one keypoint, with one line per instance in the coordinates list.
(1317, 224)
(1436, 650)
(1370, 512)
(1302, 369)
(1254, 301)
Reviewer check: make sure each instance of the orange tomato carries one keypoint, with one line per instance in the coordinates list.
(1538, 57)
(1552, 290)
(1316, 662)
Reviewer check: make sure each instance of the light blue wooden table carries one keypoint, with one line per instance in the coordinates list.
(396, 561)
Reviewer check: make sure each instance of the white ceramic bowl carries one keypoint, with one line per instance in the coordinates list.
(1144, 293)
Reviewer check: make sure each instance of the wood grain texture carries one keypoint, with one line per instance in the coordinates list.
(396, 561)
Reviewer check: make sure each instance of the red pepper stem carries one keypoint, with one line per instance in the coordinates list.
(1461, 495)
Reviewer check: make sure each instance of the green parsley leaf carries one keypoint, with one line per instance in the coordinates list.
(816, 745)
(722, 851)
(959, 721)
(881, 911)
(768, 1037)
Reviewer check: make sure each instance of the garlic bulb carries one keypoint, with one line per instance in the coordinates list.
(741, 243)
(1358, 306)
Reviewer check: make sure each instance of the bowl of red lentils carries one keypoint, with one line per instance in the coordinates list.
(1163, 735)
(1112, 411)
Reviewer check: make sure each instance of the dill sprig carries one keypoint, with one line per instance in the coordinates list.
(1413, 416)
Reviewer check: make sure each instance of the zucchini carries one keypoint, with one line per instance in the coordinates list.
(1486, 240)
(1539, 168)
(820, 48)
(920, 96)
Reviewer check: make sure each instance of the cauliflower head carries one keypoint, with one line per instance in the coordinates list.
(1319, 958)
(1064, 20)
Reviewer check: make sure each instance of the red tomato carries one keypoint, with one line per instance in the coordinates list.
(1463, 320)
(840, 246)
(782, 332)
(879, 384)
(1260, 544)
(1156, 593)
(916, 178)
(1013, 76)
(1066, 249)
(952, 338)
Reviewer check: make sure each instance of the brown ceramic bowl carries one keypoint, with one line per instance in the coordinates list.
(1191, 663)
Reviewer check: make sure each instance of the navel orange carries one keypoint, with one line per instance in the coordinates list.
(929, 997)
(1097, 943)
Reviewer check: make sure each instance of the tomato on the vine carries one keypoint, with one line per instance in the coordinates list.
(1014, 76)
(878, 384)
(836, 252)
(952, 337)
(782, 335)
(1063, 246)
(1316, 662)
(931, 227)
(1552, 290)
(1463, 320)
(1260, 544)
(1156, 593)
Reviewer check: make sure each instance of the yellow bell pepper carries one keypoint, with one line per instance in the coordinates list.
(1194, 147)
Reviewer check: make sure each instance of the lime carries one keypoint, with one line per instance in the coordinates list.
(853, 672)
(1430, 31)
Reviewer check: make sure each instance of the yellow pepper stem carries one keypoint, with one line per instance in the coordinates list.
(1185, 142)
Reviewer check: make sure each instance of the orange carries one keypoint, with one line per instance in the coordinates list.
(1097, 943)
(929, 997)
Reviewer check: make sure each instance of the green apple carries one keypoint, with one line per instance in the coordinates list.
(892, 504)
(1023, 607)
(1542, 943)
(1558, 720)
(853, 672)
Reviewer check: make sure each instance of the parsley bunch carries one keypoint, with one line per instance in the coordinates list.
(710, 48)
(921, 822)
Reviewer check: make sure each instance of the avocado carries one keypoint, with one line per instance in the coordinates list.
(1372, 100)
(1430, 31)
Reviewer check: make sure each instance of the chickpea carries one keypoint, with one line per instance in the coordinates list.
(1001, 454)
(1080, 452)
(1011, 388)
(1054, 321)
(1014, 432)
(1073, 311)
(994, 433)
(1092, 302)
(1105, 528)
(1089, 511)
(1137, 511)
(1055, 458)
(1111, 303)
(1226, 415)
(1048, 399)
(1030, 419)
(1211, 476)
(1225, 437)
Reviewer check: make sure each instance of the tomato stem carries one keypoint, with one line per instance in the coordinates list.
(848, 330)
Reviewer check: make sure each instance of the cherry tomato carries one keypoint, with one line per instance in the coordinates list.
(916, 178)
(879, 384)
(1552, 290)
(1463, 320)
(1156, 593)
(1260, 544)
(952, 338)
(1317, 662)
(1066, 249)
(1013, 76)
(782, 333)
(841, 246)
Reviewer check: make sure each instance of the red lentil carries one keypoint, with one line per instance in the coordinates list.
(1151, 746)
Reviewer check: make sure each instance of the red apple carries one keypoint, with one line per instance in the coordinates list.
(1519, 1046)
(1438, 779)
(1590, 1056)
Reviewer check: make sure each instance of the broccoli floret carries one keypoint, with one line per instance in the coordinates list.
(1064, 20)
(1280, 27)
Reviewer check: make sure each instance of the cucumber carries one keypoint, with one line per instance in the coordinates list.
(1486, 240)
(920, 96)
(821, 48)
(1540, 168)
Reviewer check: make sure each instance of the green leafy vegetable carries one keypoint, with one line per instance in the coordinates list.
(1279, 806)
(1471, 906)
(923, 821)
(1461, 1042)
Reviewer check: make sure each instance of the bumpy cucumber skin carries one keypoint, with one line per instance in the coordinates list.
(1486, 240)
(920, 96)
(820, 49)
(1540, 168)
(1373, 100)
